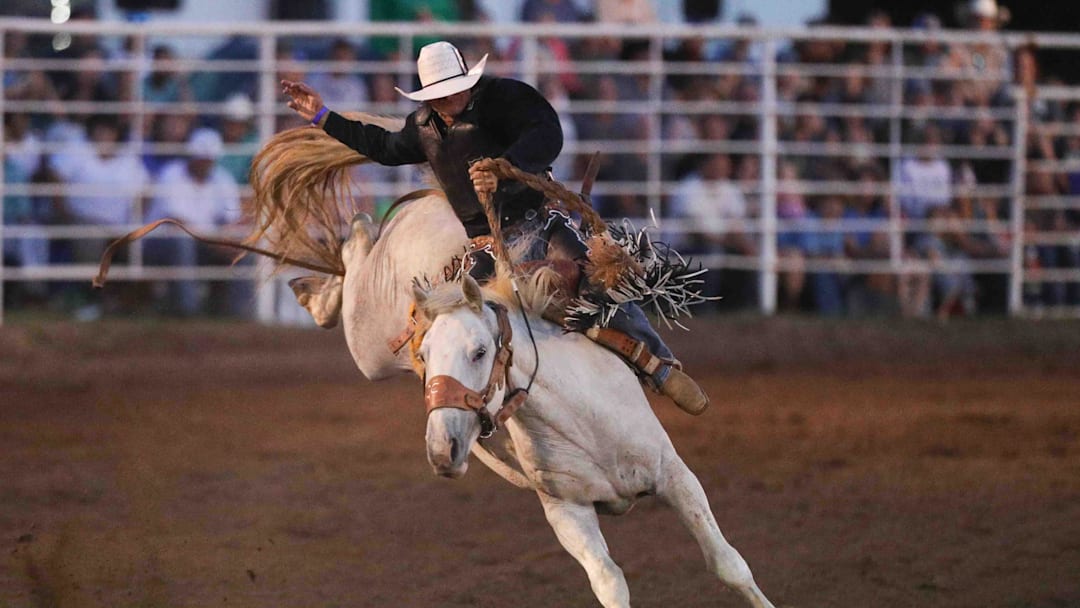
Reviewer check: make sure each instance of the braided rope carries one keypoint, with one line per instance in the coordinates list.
(502, 256)
(550, 188)
(608, 264)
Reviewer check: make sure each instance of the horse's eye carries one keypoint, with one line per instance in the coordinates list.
(480, 352)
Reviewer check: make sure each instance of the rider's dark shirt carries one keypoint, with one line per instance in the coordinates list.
(505, 117)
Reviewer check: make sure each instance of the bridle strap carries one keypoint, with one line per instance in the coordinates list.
(448, 392)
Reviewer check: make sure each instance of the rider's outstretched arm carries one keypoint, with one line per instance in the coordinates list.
(382, 146)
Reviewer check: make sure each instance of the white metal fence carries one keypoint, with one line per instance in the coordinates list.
(658, 107)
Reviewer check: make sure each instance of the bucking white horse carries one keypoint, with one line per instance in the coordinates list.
(586, 437)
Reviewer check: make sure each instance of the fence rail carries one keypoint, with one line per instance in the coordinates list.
(753, 93)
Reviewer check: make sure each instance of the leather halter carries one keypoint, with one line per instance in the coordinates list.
(446, 391)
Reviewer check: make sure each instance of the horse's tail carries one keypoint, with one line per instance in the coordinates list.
(303, 193)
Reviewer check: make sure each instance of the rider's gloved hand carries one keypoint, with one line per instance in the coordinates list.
(483, 181)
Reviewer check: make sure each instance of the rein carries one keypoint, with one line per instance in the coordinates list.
(110, 251)
(448, 392)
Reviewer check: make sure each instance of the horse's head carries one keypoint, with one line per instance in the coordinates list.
(464, 360)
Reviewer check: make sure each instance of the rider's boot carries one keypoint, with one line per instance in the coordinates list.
(684, 391)
(663, 375)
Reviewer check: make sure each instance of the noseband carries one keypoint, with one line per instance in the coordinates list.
(446, 391)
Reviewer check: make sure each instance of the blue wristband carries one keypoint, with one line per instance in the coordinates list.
(318, 115)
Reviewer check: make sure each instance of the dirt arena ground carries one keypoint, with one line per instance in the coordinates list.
(150, 464)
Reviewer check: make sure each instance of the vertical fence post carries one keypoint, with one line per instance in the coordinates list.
(767, 277)
(654, 193)
(530, 59)
(1016, 205)
(3, 179)
(138, 136)
(267, 296)
(896, 106)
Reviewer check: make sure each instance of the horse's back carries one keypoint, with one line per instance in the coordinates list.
(419, 241)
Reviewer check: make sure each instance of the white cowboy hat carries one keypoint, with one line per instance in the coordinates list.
(443, 72)
(988, 9)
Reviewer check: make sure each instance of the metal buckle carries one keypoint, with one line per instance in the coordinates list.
(487, 424)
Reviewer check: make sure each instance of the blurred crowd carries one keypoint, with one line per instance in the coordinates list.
(187, 156)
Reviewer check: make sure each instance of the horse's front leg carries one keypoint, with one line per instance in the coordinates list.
(578, 530)
(680, 488)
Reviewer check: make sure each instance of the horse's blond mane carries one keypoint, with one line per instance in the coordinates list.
(536, 290)
(302, 198)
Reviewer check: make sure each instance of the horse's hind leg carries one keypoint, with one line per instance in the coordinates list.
(578, 530)
(681, 489)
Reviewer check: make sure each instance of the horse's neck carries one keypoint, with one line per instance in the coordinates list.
(567, 369)
(417, 243)
(586, 410)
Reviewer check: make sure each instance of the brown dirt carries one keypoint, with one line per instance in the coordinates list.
(853, 464)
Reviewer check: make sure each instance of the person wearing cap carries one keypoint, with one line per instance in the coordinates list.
(466, 116)
(237, 130)
(199, 192)
(986, 15)
(985, 61)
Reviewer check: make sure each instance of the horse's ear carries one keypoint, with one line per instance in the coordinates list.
(473, 297)
(321, 297)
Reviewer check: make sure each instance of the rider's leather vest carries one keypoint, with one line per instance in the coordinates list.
(450, 150)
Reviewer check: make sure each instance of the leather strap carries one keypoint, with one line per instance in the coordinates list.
(398, 342)
(628, 348)
(511, 405)
(447, 392)
(415, 323)
(134, 235)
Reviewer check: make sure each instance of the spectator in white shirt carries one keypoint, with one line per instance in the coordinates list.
(197, 190)
(204, 196)
(925, 191)
(714, 205)
(926, 178)
(712, 210)
(105, 182)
